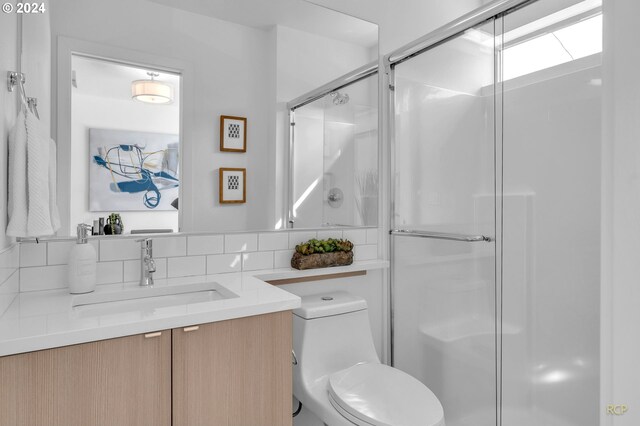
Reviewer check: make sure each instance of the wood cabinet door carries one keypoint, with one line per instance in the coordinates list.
(123, 382)
(233, 373)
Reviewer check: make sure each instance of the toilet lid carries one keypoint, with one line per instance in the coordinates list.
(384, 396)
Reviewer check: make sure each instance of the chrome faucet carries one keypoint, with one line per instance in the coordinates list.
(147, 264)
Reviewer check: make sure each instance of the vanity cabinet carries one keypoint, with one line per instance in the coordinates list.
(124, 381)
(227, 373)
(233, 373)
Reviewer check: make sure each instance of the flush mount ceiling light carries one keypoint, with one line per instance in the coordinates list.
(152, 91)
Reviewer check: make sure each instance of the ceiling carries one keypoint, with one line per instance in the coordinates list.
(297, 14)
(95, 77)
(368, 10)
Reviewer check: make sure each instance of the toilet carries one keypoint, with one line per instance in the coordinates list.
(338, 376)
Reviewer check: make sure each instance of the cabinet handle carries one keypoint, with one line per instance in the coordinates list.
(154, 334)
(192, 328)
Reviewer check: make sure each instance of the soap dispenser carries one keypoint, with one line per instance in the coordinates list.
(82, 263)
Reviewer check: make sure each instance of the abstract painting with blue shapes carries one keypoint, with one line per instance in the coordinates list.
(133, 171)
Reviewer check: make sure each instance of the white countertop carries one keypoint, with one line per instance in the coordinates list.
(47, 319)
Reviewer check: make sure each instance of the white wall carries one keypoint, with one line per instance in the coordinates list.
(8, 108)
(551, 250)
(621, 212)
(228, 78)
(307, 61)
(105, 113)
(36, 60)
(404, 21)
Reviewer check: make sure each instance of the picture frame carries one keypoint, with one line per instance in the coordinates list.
(133, 171)
(233, 133)
(232, 185)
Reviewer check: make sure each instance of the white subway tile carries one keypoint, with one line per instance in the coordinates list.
(11, 284)
(298, 237)
(186, 266)
(119, 249)
(372, 236)
(169, 246)
(109, 272)
(257, 260)
(32, 254)
(356, 236)
(365, 252)
(273, 241)
(205, 244)
(9, 262)
(236, 243)
(58, 252)
(222, 263)
(330, 233)
(161, 268)
(132, 269)
(9, 290)
(43, 278)
(282, 259)
(10, 257)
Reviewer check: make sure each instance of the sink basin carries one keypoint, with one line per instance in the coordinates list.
(149, 298)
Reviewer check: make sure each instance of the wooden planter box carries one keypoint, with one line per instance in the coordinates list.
(321, 260)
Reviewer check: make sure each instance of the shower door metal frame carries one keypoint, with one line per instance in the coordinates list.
(345, 80)
(454, 28)
(492, 11)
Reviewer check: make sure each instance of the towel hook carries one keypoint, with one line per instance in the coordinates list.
(13, 79)
(32, 103)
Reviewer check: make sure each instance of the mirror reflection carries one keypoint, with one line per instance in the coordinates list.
(245, 59)
(334, 157)
(125, 147)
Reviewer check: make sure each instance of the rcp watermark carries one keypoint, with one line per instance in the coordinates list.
(24, 8)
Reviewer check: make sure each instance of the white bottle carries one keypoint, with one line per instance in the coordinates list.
(82, 263)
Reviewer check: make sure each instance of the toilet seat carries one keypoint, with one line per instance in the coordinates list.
(379, 395)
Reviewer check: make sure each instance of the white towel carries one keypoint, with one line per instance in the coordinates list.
(17, 204)
(39, 217)
(33, 211)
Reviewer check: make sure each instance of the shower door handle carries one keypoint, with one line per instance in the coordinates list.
(441, 235)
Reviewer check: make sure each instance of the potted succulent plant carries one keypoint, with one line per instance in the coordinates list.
(322, 253)
(114, 225)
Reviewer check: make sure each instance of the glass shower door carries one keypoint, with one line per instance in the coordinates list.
(444, 270)
(552, 103)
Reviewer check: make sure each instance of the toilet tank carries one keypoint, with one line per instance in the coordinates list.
(331, 332)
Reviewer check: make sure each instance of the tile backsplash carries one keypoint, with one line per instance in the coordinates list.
(9, 275)
(43, 265)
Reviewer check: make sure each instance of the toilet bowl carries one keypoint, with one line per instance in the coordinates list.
(338, 375)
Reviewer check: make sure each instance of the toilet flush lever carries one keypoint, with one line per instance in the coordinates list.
(294, 360)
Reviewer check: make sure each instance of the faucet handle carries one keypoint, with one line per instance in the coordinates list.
(146, 242)
(151, 265)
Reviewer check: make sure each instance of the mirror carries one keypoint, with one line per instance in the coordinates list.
(242, 58)
(124, 154)
(334, 154)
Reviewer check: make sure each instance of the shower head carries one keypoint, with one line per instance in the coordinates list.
(339, 98)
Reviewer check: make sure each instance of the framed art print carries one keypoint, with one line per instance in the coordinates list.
(233, 134)
(233, 186)
(133, 171)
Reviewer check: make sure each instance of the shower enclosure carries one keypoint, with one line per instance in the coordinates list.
(334, 153)
(495, 248)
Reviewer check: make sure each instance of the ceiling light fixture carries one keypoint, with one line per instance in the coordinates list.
(152, 91)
